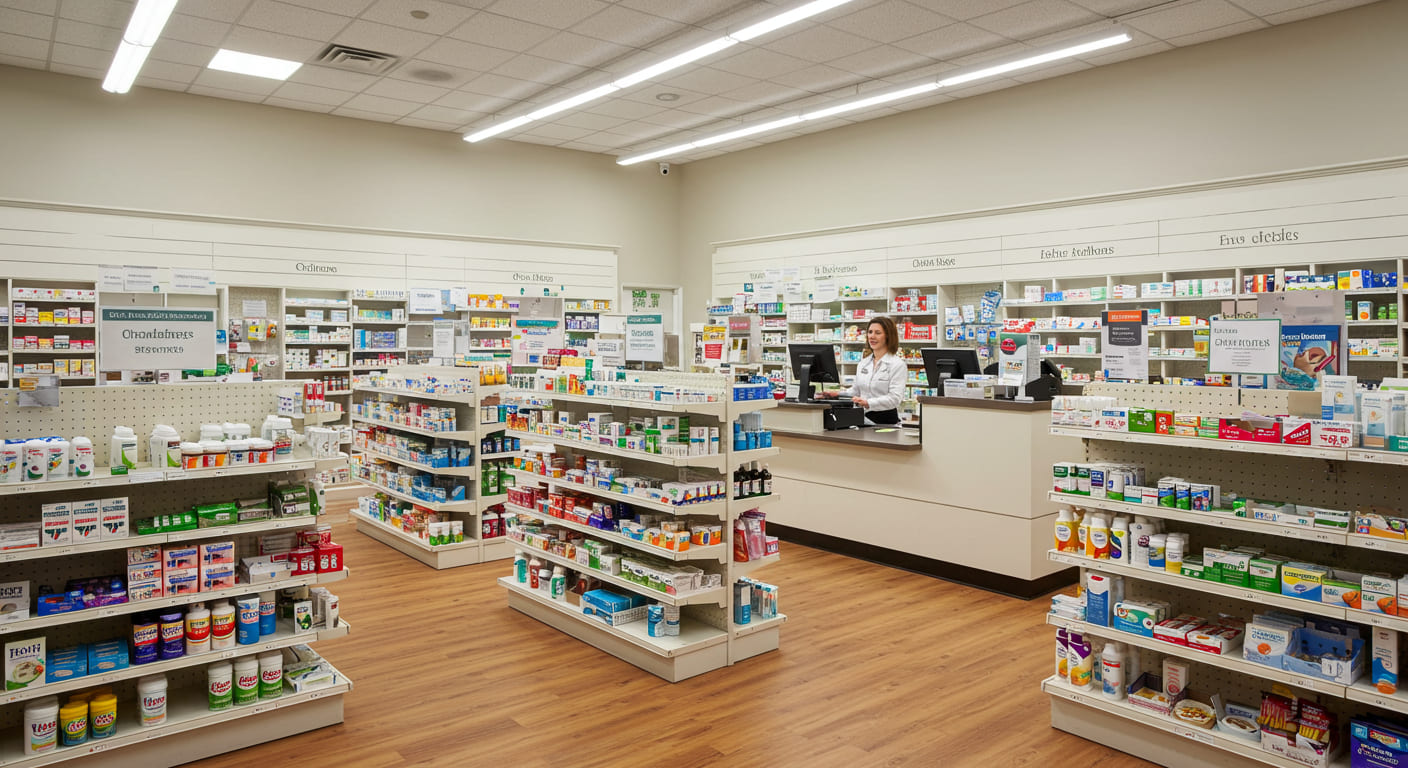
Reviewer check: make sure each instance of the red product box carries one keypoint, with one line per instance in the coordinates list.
(1163, 422)
(1234, 429)
(312, 537)
(1252, 430)
(304, 560)
(1176, 630)
(1215, 639)
(1267, 433)
(1295, 431)
(329, 558)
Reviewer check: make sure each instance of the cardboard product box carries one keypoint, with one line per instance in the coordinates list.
(56, 524)
(114, 518)
(87, 521)
(1209, 427)
(14, 601)
(1264, 573)
(1295, 431)
(66, 664)
(1334, 434)
(1142, 420)
(1378, 594)
(1163, 422)
(1303, 580)
(1342, 588)
(24, 664)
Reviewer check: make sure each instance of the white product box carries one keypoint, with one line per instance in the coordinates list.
(24, 664)
(114, 518)
(87, 521)
(14, 601)
(57, 524)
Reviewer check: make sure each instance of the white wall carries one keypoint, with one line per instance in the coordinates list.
(66, 141)
(1325, 91)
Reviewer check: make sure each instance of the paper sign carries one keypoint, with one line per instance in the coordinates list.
(139, 280)
(1244, 346)
(791, 273)
(792, 292)
(765, 293)
(442, 339)
(611, 351)
(645, 338)
(255, 308)
(110, 278)
(423, 301)
(185, 280)
(824, 291)
(143, 338)
(772, 275)
(1125, 348)
(459, 298)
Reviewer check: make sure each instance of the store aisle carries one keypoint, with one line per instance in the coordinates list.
(877, 667)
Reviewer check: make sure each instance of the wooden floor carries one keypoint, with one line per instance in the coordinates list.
(878, 667)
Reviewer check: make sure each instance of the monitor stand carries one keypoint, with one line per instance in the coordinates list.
(806, 391)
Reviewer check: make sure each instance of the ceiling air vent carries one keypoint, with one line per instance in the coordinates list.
(355, 59)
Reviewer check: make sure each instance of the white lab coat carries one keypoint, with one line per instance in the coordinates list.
(880, 382)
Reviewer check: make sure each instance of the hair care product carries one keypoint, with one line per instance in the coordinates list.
(246, 681)
(1081, 663)
(222, 626)
(247, 620)
(1065, 530)
(1119, 540)
(1097, 541)
(83, 460)
(122, 452)
(271, 675)
(197, 629)
(219, 678)
(1062, 658)
(151, 700)
(41, 725)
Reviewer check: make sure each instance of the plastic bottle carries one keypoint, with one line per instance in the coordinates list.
(1174, 546)
(197, 629)
(271, 675)
(164, 447)
(122, 452)
(11, 461)
(151, 700)
(1065, 530)
(520, 567)
(268, 615)
(1119, 540)
(1157, 550)
(247, 620)
(236, 431)
(1139, 533)
(1098, 538)
(533, 567)
(558, 585)
(41, 725)
(211, 432)
(246, 681)
(173, 635)
(83, 459)
(219, 679)
(1062, 654)
(73, 723)
(1112, 672)
(222, 626)
(1082, 529)
(36, 460)
(765, 477)
(58, 458)
(102, 713)
(545, 579)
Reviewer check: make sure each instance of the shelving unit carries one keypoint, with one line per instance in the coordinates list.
(46, 319)
(191, 731)
(1330, 478)
(709, 639)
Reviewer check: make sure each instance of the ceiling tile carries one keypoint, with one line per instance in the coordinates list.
(985, 86)
(328, 77)
(448, 115)
(178, 52)
(85, 34)
(646, 94)
(143, 81)
(589, 120)
(1267, 7)
(527, 138)
(473, 102)
(502, 87)
(224, 93)
(385, 39)
(442, 17)
(881, 61)
(77, 71)
(993, 55)
(165, 70)
(540, 70)
(431, 73)
(1251, 25)
(405, 90)
(229, 81)
(26, 24)
(760, 63)
(611, 139)
(1330, 6)
(627, 27)
(288, 19)
(1112, 8)
(686, 11)
(24, 47)
(330, 97)
(559, 132)
(218, 10)
(675, 118)
(381, 105)
(638, 131)
(921, 74)
(891, 20)
(1036, 17)
(458, 53)
(193, 29)
(817, 78)
(1185, 19)
(360, 114)
(627, 109)
(928, 101)
(765, 92)
(1125, 53)
(580, 50)
(78, 56)
(502, 32)
(263, 43)
(719, 107)
(1055, 69)
(952, 41)
(49, 7)
(820, 44)
(432, 125)
(965, 9)
(340, 7)
(114, 13)
(583, 146)
(549, 13)
(708, 80)
(306, 106)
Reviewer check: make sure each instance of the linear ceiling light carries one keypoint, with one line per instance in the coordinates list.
(143, 29)
(252, 64)
(804, 11)
(1054, 54)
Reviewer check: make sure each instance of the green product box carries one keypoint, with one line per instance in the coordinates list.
(1141, 420)
(1236, 568)
(1209, 426)
(209, 518)
(1099, 293)
(1398, 443)
(1265, 573)
(1192, 568)
(1082, 471)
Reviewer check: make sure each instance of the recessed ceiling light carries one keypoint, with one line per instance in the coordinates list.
(431, 75)
(250, 64)
(420, 15)
(667, 96)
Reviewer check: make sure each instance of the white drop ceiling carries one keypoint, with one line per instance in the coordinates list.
(468, 62)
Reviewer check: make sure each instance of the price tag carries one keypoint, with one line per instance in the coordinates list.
(111, 678)
(1249, 595)
(1195, 734)
(1378, 620)
(1370, 543)
(1380, 701)
(220, 473)
(1322, 536)
(227, 655)
(1301, 682)
(89, 483)
(97, 746)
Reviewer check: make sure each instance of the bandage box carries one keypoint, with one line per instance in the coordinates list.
(180, 557)
(1113, 420)
(217, 576)
(1267, 643)
(1236, 569)
(217, 552)
(1138, 616)
(1163, 422)
(180, 581)
(1295, 431)
(1303, 580)
(1185, 425)
(1334, 434)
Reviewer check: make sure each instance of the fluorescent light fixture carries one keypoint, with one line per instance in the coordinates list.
(251, 64)
(143, 29)
(804, 11)
(1032, 61)
(1054, 54)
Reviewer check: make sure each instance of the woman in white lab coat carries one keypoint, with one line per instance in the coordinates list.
(878, 386)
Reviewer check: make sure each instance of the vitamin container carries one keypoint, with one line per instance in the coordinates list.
(219, 679)
(83, 460)
(211, 432)
(164, 447)
(261, 451)
(173, 635)
(271, 675)
(102, 713)
(58, 459)
(246, 681)
(122, 451)
(237, 431)
(146, 640)
(197, 629)
(239, 452)
(41, 725)
(151, 700)
(73, 723)
(247, 620)
(36, 460)
(268, 616)
(11, 461)
(222, 626)
(216, 453)
(192, 455)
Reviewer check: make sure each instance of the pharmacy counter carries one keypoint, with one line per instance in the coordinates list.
(967, 501)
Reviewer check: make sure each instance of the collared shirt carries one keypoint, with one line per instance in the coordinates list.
(880, 382)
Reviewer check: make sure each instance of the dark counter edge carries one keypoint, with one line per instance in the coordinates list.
(959, 574)
(865, 437)
(991, 405)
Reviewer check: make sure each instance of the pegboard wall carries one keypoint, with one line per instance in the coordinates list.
(1210, 401)
(94, 411)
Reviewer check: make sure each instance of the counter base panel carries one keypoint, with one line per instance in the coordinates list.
(1159, 747)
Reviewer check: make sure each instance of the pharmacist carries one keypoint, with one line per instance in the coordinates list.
(879, 382)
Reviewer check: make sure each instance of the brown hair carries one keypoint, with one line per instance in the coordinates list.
(892, 334)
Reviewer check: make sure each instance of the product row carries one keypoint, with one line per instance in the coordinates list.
(433, 528)
(421, 384)
(643, 570)
(431, 418)
(311, 316)
(668, 436)
(72, 366)
(314, 359)
(424, 486)
(57, 343)
(669, 532)
(1219, 287)
(578, 376)
(313, 336)
(478, 323)
(28, 315)
(421, 450)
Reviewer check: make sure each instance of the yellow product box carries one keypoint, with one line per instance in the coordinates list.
(45, 368)
(46, 317)
(1303, 580)
(1185, 425)
(89, 367)
(61, 367)
(46, 343)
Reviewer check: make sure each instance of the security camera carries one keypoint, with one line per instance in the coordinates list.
(664, 169)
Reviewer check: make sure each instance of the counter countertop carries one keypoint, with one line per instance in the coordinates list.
(992, 405)
(868, 437)
(802, 406)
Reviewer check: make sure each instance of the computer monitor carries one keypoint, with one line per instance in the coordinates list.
(953, 363)
(812, 364)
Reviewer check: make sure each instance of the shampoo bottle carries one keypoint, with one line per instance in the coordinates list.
(1119, 540)
(1112, 672)
(1062, 635)
(1098, 538)
(1065, 530)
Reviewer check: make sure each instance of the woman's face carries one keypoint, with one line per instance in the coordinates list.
(875, 337)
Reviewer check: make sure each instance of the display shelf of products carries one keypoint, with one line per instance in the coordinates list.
(713, 460)
(1371, 322)
(469, 471)
(307, 343)
(319, 370)
(468, 543)
(712, 552)
(710, 508)
(718, 595)
(1397, 546)
(1224, 519)
(137, 606)
(305, 323)
(1232, 661)
(146, 474)
(761, 625)
(1200, 585)
(56, 352)
(466, 398)
(1074, 355)
(1216, 739)
(295, 301)
(746, 503)
(314, 418)
(693, 635)
(756, 454)
(715, 408)
(745, 568)
(467, 552)
(1364, 692)
(468, 505)
(1240, 446)
(219, 531)
(360, 321)
(283, 638)
(452, 434)
(1377, 457)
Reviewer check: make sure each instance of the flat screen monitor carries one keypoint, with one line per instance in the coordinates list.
(812, 364)
(952, 363)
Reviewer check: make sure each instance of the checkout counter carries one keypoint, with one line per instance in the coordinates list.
(961, 498)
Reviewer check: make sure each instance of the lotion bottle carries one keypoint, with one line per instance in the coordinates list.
(1065, 530)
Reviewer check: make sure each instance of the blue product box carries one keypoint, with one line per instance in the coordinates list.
(1372, 745)
(107, 656)
(66, 664)
(606, 601)
(60, 602)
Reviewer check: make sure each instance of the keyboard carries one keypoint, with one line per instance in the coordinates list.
(841, 404)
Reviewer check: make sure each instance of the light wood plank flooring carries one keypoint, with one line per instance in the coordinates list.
(878, 667)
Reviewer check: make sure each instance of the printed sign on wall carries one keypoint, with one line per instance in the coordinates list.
(1244, 346)
(645, 338)
(1125, 348)
(152, 338)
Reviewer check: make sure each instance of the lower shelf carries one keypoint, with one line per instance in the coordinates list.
(698, 648)
(439, 558)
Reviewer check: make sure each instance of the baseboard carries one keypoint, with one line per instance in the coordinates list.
(961, 574)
